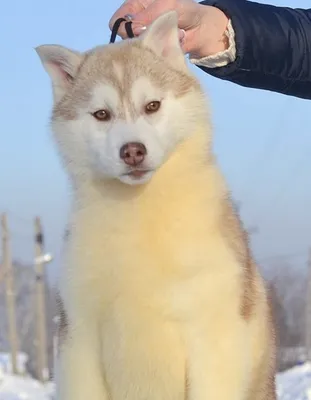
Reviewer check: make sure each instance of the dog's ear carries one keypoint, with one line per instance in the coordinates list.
(61, 64)
(162, 38)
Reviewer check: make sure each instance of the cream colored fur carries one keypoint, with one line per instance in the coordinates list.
(161, 298)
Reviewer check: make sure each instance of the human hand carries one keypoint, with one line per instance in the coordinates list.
(201, 28)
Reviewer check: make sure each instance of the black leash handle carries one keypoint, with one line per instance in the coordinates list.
(129, 30)
(116, 26)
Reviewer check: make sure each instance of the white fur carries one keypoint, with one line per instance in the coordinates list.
(98, 143)
(104, 96)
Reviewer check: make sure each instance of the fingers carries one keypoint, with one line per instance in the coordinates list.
(143, 13)
(158, 7)
(131, 7)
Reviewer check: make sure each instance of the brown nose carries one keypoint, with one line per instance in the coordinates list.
(133, 153)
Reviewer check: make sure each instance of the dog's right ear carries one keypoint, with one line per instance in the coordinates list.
(162, 38)
(61, 64)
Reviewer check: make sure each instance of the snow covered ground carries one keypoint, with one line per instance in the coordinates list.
(20, 388)
(294, 384)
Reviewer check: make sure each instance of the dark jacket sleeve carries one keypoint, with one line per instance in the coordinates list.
(273, 47)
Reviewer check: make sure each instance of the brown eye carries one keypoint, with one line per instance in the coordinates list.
(102, 115)
(152, 107)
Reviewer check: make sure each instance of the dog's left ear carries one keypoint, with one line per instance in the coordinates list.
(61, 64)
(162, 37)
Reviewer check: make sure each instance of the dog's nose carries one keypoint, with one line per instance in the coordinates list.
(133, 153)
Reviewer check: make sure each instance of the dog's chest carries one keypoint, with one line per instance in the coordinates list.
(143, 354)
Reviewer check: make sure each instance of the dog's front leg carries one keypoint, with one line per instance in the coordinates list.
(217, 365)
(79, 374)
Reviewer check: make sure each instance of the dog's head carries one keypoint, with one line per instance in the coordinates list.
(120, 110)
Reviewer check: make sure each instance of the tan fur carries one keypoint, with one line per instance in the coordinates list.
(63, 324)
(98, 66)
(263, 386)
(162, 297)
(238, 240)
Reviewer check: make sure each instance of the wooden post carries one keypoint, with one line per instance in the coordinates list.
(42, 367)
(9, 293)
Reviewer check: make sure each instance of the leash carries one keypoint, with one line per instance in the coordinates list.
(116, 26)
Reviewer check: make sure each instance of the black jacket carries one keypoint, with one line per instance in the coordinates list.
(273, 47)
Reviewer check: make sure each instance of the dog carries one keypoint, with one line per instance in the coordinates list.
(160, 297)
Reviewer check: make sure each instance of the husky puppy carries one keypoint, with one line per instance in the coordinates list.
(160, 296)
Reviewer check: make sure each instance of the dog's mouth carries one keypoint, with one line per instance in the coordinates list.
(137, 173)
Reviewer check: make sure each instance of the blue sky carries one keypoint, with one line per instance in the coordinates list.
(262, 139)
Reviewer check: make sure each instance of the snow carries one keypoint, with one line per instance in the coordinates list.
(294, 384)
(6, 362)
(23, 388)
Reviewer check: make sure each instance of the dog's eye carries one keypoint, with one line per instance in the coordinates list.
(152, 107)
(102, 115)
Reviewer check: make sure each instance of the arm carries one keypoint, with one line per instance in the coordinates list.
(270, 48)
